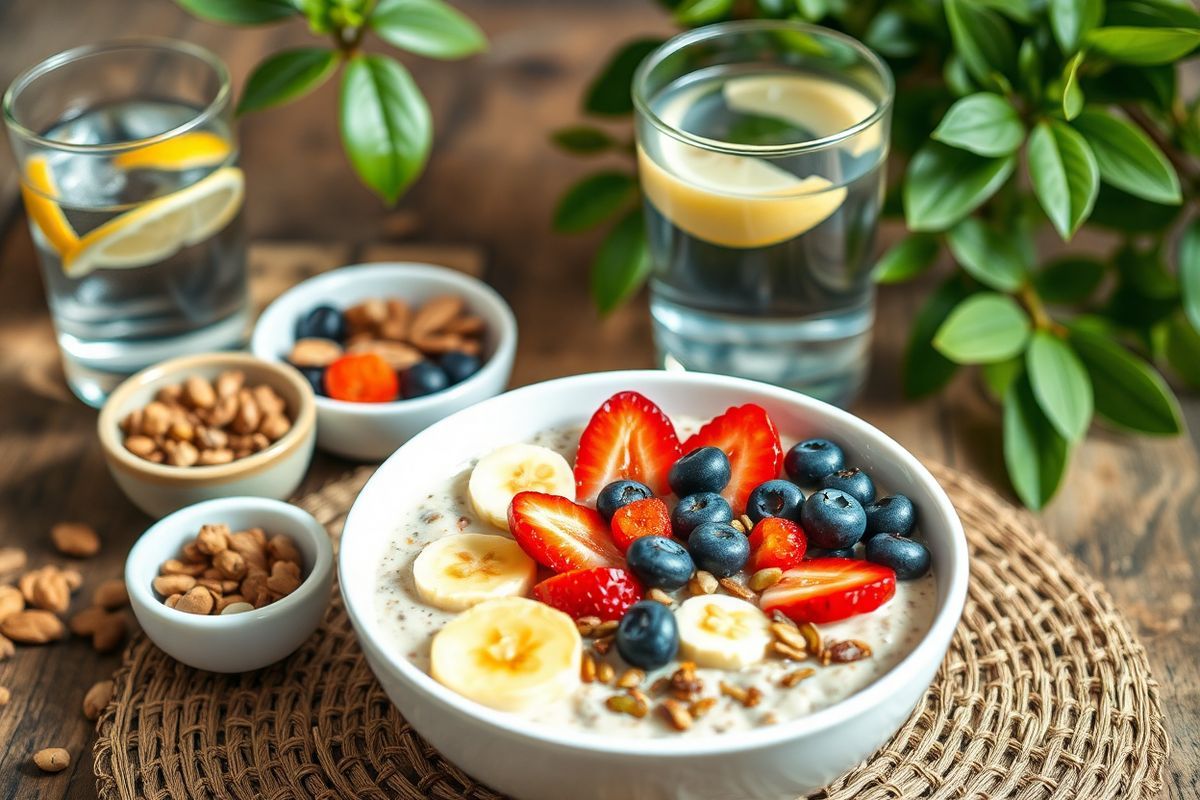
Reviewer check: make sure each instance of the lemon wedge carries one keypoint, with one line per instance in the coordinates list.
(39, 191)
(158, 229)
(187, 151)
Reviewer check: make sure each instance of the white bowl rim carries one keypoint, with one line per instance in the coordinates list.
(942, 628)
(140, 589)
(506, 337)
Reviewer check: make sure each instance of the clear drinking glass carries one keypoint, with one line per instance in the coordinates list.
(761, 152)
(128, 166)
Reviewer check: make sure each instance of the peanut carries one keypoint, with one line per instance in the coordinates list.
(213, 539)
(210, 458)
(173, 584)
(274, 426)
(196, 600)
(52, 759)
(75, 539)
(229, 382)
(156, 419)
(230, 564)
(199, 393)
(5, 695)
(282, 548)
(236, 608)
(142, 446)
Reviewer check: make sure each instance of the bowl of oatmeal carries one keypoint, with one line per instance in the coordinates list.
(654, 585)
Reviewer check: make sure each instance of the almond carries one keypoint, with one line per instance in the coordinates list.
(109, 633)
(248, 414)
(176, 567)
(11, 559)
(52, 759)
(167, 585)
(181, 454)
(396, 326)
(210, 458)
(5, 695)
(366, 316)
(314, 353)
(437, 343)
(156, 419)
(434, 314)
(96, 699)
(86, 622)
(73, 577)
(51, 592)
(199, 393)
(75, 539)
(274, 426)
(11, 601)
(141, 446)
(32, 626)
(229, 382)
(465, 325)
(268, 400)
(398, 356)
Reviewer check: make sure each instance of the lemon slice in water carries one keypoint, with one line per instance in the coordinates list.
(159, 228)
(187, 151)
(39, 190)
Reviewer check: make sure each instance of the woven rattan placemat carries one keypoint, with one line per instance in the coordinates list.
(1045, 693)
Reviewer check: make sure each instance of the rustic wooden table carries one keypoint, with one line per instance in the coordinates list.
(1129, 510)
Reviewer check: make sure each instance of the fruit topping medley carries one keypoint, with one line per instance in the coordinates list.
(382, 350)
(674, 558)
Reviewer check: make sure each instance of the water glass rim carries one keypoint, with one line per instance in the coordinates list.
(148, 43)
(721, 29)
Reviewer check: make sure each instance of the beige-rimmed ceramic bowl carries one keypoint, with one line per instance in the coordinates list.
(159, 489)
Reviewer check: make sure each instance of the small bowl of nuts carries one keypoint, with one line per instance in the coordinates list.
(205, 426)
(389, 349)
(231, 585)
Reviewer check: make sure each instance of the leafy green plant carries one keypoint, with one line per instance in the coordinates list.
(385, 122)
(1010, 115)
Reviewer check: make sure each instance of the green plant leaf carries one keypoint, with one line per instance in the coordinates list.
(240, 12)
(1064, 174)
(1034, 452)
(990, 257)
(982, 39)
(1128, 158)
(1071, 19)
(984, 123)
(1072, 96)
(999, 375)
(385, 122)
(925, 369)
(1189, 271)
(812, 10)
(622, 263)
(907, 259)
(889, 34)
(1022, 11)
(426, 27)
(1128, 392)
(1121, 211)
(583, 140)
(702, 12)
(594, 199)
(1183, 350)
(286, 76)
(609, 93)
(1143, 46)
(1029, 68)
(983, 328)
(956, 77)
(1153, 14)
(1069, 280)
(1126, 84)
(1060, 384)
(944, 184)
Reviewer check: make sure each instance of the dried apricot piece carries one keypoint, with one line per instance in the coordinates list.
(361, 378)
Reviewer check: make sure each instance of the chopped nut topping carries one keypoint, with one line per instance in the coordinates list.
(685, 685)
(702, 583)
(769, 718)
(587, 625)
(587, 668)
(787, 651)
(627, 704)
(700, 707)
(747, 523)
(812, 637)
(659, 596)
(737, 590)
(631, 678)
(749, 697)
(606, 628)
(737, 525)
(603, 645)
(765, 578)
(660, 685)
(790, 636)
(605, 672)
(676, 713)
(795, 676)
(845, 652)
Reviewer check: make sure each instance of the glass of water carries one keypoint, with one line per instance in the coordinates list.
(761, 150)
(128, 167)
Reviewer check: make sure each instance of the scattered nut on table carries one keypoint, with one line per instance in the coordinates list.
(52, 759)
(75, 539)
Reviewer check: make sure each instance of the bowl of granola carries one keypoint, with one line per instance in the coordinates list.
(654, 585)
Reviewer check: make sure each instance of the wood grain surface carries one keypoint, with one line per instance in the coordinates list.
(1129, 510)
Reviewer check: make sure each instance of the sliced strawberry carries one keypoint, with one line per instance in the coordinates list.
(749, 438)
(830, 589)
(603, 592)
(560, 534)
(776, 542)
(628, 437)
(649, 517)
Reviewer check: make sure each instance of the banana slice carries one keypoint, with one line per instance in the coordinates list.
(517, 468)
(722, 632)
(459, 571)
(510, 654)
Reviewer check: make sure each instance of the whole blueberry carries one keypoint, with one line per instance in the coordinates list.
(618, 494)
(705, 469)
(833, 519)
(659, 562)
(895, 514)
(422, 378)
(845, 552)
(315, 377)
(909, 558)
(322, 322)
(718, 548)
(777, 498)
(459, 366)
(853, 482)
(809, 461)
(697, 509)
(647, 636)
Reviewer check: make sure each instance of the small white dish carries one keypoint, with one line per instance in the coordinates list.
(372, 431)
(522, 758)
(159, 489)
(232, 642)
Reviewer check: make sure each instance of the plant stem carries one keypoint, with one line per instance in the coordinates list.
(1037, 309)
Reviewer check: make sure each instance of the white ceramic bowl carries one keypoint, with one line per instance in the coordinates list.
(371, 431)
(159, 489)
(535, 762)
(231, 642)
